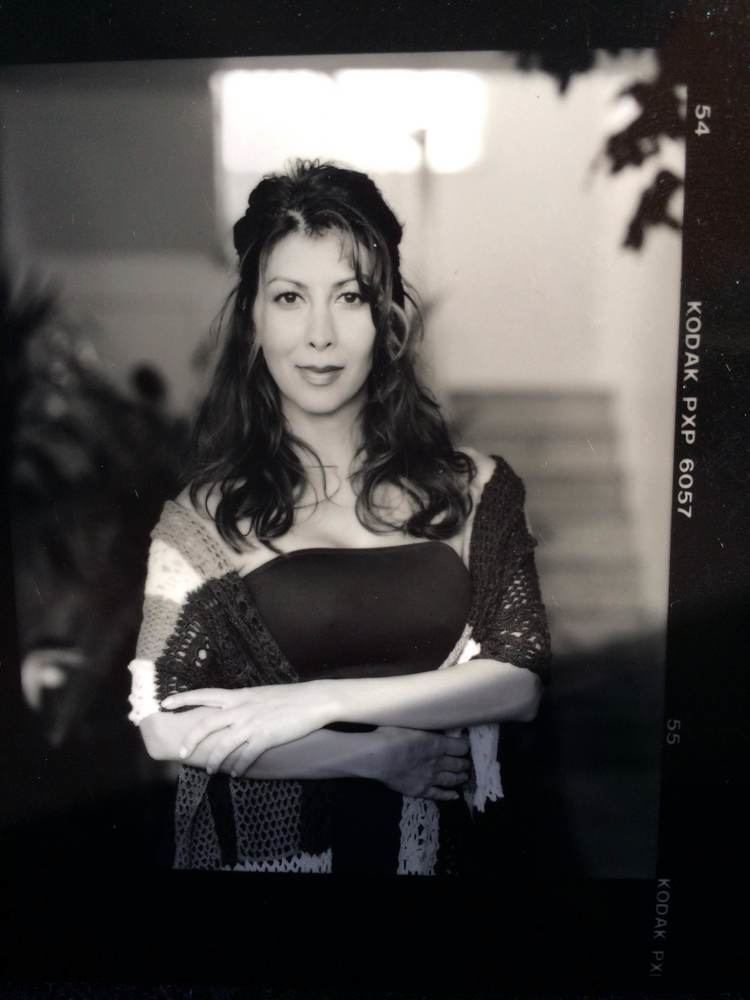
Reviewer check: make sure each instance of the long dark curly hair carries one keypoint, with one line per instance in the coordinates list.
(242, 444)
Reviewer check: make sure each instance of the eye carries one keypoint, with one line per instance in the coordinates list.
(287, 298)
(352, 298)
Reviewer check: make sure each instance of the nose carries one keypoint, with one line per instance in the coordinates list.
(321, 333)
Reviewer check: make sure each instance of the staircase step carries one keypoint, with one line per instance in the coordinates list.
(619, 569)
(489, 414)
(600, 495)
(597, 539)
(541, 454)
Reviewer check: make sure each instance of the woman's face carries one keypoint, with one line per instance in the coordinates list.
(313, 325)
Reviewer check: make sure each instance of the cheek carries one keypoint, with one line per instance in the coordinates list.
(363, 342)
(275, 334)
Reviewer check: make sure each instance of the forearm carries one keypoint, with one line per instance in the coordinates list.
(250, 721)
(321, 754)
(474, 692)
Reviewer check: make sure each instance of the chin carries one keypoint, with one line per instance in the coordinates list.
(328, 408)
(318, 403)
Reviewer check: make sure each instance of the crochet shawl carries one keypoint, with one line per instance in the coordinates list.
(201, 629)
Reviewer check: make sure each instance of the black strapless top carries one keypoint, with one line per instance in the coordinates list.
(372, 612)
(364, 612)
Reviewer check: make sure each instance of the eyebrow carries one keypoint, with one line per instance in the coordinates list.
(301, 284)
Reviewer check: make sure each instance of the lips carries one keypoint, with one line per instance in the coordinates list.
(320, 374)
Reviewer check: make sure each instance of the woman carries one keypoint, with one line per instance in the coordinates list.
(331, 551)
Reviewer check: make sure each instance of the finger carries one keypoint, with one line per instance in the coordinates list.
(457, 764)
(238, 761)
(441, 794)
(210, 697)
(246, 757)
(235, 738)
(212, 723)
(232, 759)
(449, 779)
(458, 746)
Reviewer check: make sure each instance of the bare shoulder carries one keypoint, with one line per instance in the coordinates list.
(485, 467)
(485, 470)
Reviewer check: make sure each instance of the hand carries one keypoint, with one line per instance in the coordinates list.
(252, 720)
(418, 763)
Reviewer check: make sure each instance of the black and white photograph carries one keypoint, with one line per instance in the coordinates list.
(344, 462)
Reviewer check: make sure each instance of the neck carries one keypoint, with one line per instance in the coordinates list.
(334, 438)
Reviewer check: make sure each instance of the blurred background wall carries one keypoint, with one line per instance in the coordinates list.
(548, 341)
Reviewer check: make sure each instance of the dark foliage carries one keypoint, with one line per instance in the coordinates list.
(89, 467)
(653, 209)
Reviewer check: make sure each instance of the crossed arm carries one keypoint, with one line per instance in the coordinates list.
(277, 731)
(410, 761)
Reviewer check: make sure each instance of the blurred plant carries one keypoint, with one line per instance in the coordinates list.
(660, 117)
(90, 466)
(653, 208)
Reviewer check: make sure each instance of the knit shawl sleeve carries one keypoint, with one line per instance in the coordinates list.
(201, 630)
(198, 627)
(508, 616)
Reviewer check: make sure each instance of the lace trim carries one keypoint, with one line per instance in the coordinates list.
(487, 785)
(143, 690)
(419, 826)
(315, 864)
(483, 743)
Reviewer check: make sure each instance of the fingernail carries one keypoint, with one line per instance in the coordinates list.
(209, 770)
(233, 774)
(183, 753)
